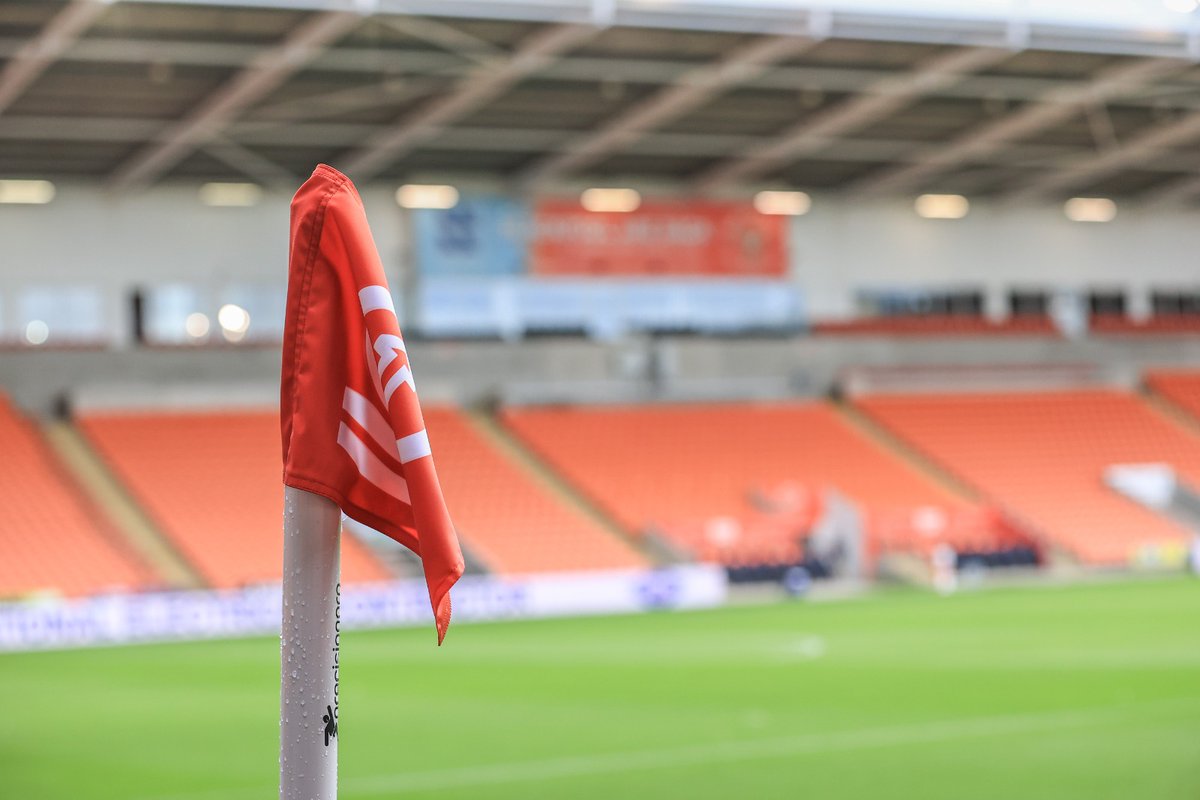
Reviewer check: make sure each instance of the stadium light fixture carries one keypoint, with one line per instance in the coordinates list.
(611, 200)
(942, 206)
(37, 332)
(196, 325)
(789, 204)
(234, 321)
(1090, 209)
(230, 195)
(25, 192)
(435, 196)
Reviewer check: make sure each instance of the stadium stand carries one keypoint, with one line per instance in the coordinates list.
(211, 481)
(507, 518)
(698, 474)
(50, 535)
(982, 535)
(1181, 388)
(1040, 456)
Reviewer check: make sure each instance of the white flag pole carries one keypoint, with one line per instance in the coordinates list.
(310, 647)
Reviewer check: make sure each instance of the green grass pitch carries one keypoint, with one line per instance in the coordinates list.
(1084, 692)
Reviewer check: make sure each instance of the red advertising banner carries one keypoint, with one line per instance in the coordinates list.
(694, 239)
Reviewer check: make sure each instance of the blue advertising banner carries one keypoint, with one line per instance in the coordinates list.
(484, 235)
(510, 307)
(56, 623)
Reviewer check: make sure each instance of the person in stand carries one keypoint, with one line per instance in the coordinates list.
(945, 569)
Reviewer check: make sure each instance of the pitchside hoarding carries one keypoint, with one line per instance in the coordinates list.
(174, 616)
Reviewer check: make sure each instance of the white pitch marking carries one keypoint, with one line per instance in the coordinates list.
(809, 648)
(724, 752)
(720, 752)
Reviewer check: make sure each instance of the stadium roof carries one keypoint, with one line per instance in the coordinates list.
(678, 95)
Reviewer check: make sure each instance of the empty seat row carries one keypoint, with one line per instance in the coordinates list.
(212, 484)
(1041, 456)
(51, 537)
(696, 473)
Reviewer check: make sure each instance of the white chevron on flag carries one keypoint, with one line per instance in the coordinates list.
(369, 465)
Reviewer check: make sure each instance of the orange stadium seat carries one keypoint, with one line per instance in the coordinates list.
(1041, 457)
(212, 482)
(1181, 388)
(669, 468)
(1163, 324)
(51, 537)
(939, 325)
(505, 517)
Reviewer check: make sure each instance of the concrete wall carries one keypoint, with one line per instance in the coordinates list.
(842, 246)
(576, 370)
(165, 235)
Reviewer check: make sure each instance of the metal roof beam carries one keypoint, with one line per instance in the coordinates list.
(263, 135)
(1152, 141)
(666, 72)
(260, 77)
(345, 100)
(483, 85)
(1177, 192)
(877, 102)
(35, 56)
(446, 37)
(1054, 107)
(689, 92)
(257, 167)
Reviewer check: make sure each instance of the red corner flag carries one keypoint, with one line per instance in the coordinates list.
(352, 426)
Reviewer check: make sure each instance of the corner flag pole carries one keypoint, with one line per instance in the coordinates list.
(310, 647)
(352, 434)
